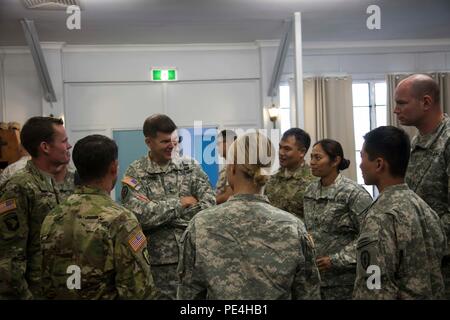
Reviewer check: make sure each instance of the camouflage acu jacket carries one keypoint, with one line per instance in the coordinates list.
(104, 240)
(428, 171)
(247, 249)
(285, 189)
(153, 194)
(332, 217)
(222, 181)
(25, 200)
(404, 238)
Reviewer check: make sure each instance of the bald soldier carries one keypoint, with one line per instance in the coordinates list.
(164, 192)
(94, 236)
(286, 187)
(25, 200)
(401, 240)
(418, 104)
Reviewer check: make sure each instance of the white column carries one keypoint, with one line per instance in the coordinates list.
(298, 66)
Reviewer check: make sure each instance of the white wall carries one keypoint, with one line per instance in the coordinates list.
(101, 88)
(21, 91)
(108, 88)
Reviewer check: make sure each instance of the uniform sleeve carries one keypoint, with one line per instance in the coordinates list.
(150, 213)
(221, 182)
(377, 259)
(191, 285)
(133, 274)
(5, 175)
(201, 189)
(445, 218)
(306, 284)
(14, 230)
(358, 203)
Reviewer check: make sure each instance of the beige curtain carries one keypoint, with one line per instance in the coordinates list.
(329, 114)
(392, 81)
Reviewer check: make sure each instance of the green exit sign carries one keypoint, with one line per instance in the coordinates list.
(164, 74)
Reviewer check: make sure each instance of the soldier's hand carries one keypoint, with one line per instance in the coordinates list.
(323, 263)
(188, 201)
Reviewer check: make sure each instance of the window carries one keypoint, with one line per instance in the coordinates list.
(285, 108)
(369, 112)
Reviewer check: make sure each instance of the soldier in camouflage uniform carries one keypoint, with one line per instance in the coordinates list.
(245, 248)
(418, 104)
(286, 187)
(93, 233)
(333, 207)
(223, 189)
(402, 240)
(165, 194)
(25, 200)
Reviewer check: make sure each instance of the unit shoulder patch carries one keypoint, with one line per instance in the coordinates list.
(7, 205)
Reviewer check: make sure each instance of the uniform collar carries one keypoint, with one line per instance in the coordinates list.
(297, 173)
(328, 192)
(41, 175)
(90, 190)
(427, 140)
(152, 167)
(395, 187)
(249, 197)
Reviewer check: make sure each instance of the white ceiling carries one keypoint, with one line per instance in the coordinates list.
(227, 21)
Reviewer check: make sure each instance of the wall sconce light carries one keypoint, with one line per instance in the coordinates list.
(273, 114)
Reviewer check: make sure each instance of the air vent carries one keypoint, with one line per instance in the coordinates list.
(50, 4)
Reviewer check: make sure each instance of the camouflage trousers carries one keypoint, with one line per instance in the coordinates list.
(337, 292)
(165, 277)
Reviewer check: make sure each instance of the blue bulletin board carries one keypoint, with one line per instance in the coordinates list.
(132, 146)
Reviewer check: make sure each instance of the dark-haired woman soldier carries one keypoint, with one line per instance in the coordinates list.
(332, 208)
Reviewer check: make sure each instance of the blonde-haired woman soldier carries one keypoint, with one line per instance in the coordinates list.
(246, 248)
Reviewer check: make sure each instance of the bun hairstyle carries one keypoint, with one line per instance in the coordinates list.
(253, 153)
(334, 149)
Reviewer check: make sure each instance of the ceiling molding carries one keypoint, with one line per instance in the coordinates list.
(160, 47)
(310, 48)
(25, 49)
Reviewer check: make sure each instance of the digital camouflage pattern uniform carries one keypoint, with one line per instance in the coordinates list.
(104, 240)
(247, 249)
(13, 168)
(25, 200)
(285, 189)
(153, 194)
(332, 218)
(404, 237)
(428, 175)
(222, 182)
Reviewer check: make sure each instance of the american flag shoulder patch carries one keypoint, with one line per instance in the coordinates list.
(137, 240)
(7, 205)
(132, 182)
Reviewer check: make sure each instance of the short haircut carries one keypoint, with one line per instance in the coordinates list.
(227, 135)
(302, 137)
(422, 85)
(392, 144)
(93, 155)
(37, 130)
(333, 149)
(158, 123)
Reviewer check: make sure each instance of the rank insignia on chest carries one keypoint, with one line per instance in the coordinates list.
(7, 205)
